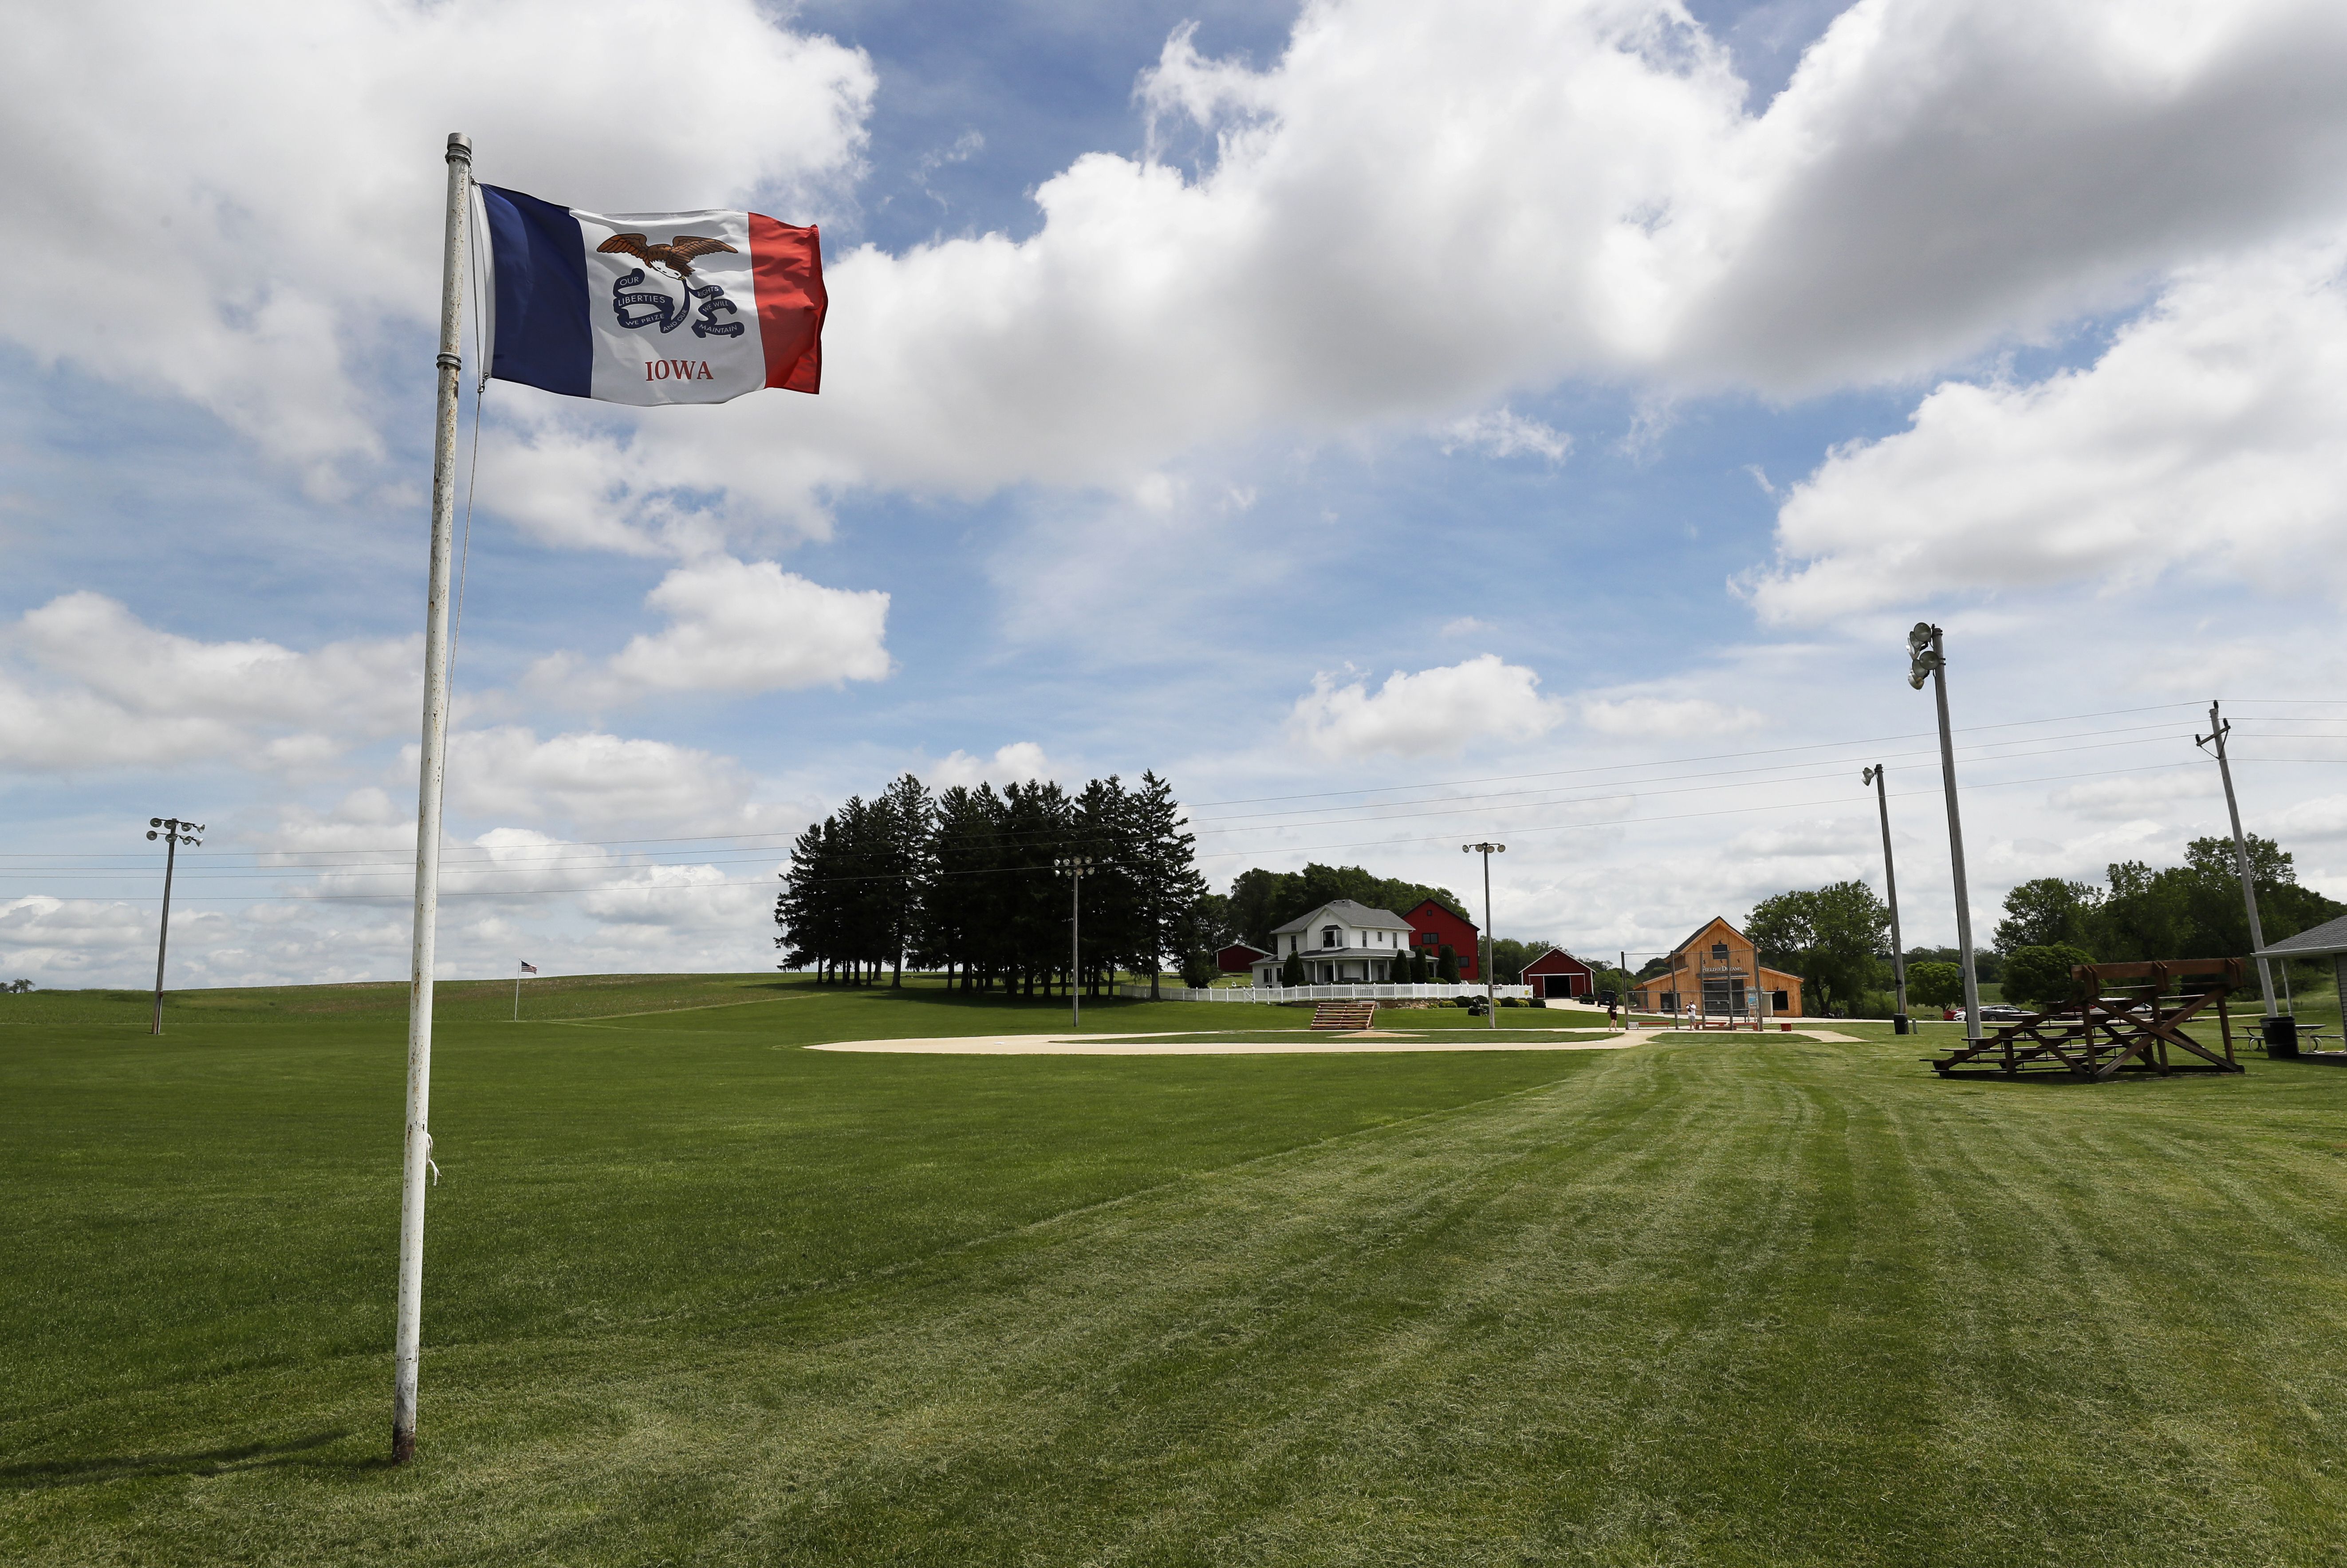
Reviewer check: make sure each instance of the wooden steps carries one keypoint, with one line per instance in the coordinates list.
(1344, 1016)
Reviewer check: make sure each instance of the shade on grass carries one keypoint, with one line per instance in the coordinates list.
(696, 1295)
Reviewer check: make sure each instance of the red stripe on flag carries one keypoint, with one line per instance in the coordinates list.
(787, 264)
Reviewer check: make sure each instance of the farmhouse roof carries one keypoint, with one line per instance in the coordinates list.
(1344, 912)
(2330, 936)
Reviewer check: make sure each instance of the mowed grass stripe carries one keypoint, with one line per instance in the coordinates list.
(1723, 1302)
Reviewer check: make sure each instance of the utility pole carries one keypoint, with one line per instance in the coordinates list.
(2219, 728)
(1075, 866)
(1899, 1023)
(415, 1157)
(175, 833)
(1490, 1002)
(1927, 660)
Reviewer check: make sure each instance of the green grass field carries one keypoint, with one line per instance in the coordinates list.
(697, 1296)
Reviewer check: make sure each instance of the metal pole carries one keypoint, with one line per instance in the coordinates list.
(1890, 887)
(2218, 729)
(1075, 950)
(418, 1154)
(163, 938)
(1491, 1001)
(1929, 652)
(516, 994)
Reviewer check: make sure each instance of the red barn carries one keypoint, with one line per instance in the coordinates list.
(1557, 973)
(1238, 958)
(1434, 927)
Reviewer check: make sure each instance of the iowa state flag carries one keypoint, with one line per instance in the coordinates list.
(653, 307)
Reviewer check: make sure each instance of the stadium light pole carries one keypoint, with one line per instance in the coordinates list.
(1927, 660)
(173, 833)
(1899, 1023)
(2219, 728)
(1075, 866)
(1490, 1002)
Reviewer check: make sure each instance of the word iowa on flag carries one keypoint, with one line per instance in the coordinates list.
(651, 307)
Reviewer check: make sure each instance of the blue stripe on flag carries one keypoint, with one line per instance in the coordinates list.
(541, 266)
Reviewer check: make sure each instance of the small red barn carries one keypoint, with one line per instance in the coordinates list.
(1239, 957)
(1434, 925)
(1557, 973)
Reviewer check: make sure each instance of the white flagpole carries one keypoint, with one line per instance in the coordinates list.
(418, 1155)
(516, 993)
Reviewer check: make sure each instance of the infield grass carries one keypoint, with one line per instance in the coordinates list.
(696, 1295)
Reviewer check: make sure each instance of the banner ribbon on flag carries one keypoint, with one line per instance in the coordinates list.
(651, 307)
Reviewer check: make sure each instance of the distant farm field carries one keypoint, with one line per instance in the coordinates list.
(697, 1295)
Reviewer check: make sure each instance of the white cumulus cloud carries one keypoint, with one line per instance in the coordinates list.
(741, 627)
(86, 683)
(2214, 428)
(1431, 713)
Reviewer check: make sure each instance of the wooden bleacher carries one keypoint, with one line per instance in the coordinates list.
(1348, 1017)
(2100, 1036)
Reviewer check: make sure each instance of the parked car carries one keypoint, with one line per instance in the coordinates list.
(2003, 1012)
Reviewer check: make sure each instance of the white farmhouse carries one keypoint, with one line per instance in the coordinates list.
(1341, 943)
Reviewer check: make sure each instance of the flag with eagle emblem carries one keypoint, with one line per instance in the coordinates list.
(651, 307)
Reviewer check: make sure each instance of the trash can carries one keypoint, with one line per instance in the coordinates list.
(2281, 1035)
(1901, 1024)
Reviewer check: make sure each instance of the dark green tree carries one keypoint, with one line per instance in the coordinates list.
(1291, 969)
(2044, 911)
(1446, 967)
(1829, 936)
(1934, 984)
(2041, 974)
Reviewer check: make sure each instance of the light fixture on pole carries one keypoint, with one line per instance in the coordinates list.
(1490, 1003)
(173, 833)
(1074, 867)
(1927, 660)
(2219, 728)
(1899, 1023)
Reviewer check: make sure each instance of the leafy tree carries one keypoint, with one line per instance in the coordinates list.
(1829, 936)
(1262, 901)
(1418, 968)
(2041, 974)
(2045, 911)
(1932, 984)
(1291, 969)
(1445, 966)
(1198, 970)
(1509, 957)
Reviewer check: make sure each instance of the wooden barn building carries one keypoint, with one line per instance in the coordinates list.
(1435, 926)
(1557, 974)
(1239, 957)
(1712, 972)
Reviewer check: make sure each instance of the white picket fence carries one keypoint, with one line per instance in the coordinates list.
(1402, 991)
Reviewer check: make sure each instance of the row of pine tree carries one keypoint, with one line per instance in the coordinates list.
(969, 881)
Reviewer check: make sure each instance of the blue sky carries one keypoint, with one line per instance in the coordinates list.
(1543, 422)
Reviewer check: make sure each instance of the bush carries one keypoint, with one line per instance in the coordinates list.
(1446, 967)
(1291, 970)
(1199, 970)
(1511, 1001)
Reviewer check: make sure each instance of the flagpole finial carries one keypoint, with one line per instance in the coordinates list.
(459, 145)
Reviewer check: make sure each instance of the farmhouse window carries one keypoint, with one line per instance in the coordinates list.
(1329, 936)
